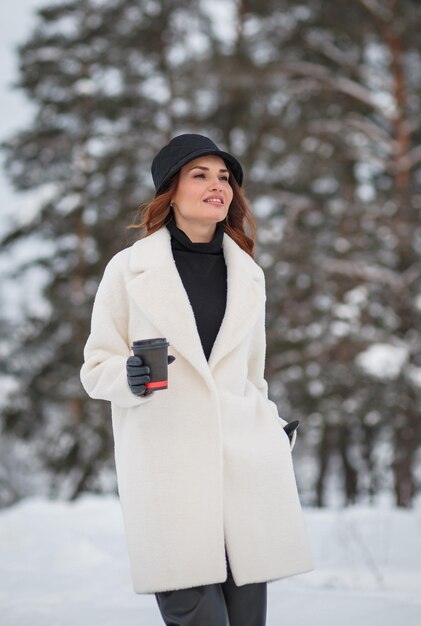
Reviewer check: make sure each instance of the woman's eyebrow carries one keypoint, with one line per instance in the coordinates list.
(201, 167)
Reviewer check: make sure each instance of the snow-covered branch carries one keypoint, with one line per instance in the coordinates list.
(341, 84)
(372, 130)
(363, 271)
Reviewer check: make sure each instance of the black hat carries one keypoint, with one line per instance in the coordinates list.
(182, 149)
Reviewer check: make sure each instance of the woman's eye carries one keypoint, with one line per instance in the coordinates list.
(223, 177)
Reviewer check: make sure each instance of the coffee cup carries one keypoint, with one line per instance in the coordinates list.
(154, 354)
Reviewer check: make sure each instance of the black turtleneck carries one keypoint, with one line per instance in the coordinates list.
(202, 269)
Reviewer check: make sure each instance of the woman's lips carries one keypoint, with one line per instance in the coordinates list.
(214, 203)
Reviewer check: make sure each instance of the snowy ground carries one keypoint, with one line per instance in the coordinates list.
(65, 564)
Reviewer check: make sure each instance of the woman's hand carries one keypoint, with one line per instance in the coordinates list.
(138, 375)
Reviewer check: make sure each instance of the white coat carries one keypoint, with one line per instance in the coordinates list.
(205, 463)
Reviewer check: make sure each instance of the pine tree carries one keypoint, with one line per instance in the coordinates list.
(320, 103)
(344, 264)
(110, 83)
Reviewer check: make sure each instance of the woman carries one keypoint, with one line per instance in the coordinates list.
(204, 468)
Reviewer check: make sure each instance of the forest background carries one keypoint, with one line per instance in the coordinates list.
(321, 103)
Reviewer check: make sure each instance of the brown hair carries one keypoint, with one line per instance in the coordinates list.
(156, 212)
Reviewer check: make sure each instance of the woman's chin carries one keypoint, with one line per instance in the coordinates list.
(212, 209)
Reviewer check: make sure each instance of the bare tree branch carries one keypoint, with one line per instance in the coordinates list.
(351, 122)
(322, 42)
(379, 11)
(411, 274)
(367, 126)
(294, 199)
(316, 351)
(409, 160)
(363, 271)
(338, 128)
(338, 83)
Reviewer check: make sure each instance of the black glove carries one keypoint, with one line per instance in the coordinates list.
(290, 427)
(138, 375)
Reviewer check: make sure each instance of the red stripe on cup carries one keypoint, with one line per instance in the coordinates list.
(157, 383)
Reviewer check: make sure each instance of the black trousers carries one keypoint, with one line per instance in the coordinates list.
(221, 604)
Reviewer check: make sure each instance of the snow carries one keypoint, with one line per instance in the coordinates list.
(16, 22)
(383, 360)
(414, 375)
(8, 384)
(417, 302)
(65, 562)
(222, 16)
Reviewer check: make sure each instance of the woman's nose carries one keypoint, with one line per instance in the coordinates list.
(216, 184)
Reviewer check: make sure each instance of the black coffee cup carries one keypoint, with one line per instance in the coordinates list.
(154, 354)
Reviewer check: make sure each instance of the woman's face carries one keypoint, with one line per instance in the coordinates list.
(200, 180)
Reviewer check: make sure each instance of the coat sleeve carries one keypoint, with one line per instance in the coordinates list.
(103, 373)
(256, 362)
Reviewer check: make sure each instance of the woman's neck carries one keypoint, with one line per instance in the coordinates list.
(196, 232)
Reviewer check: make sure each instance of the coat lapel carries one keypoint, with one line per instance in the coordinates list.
(158, 291)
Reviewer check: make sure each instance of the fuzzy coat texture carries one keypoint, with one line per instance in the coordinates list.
(205, 463)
